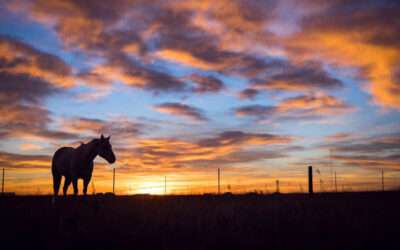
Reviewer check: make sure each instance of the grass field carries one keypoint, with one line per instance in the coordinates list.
(286, 221)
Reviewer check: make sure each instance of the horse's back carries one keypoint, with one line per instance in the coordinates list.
(62, 161)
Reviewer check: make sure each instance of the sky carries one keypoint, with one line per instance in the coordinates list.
(259, 89)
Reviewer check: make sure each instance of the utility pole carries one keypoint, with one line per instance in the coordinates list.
(165, 188)
(331, 171)
(335, 183)
(113, 181)
(219, 190)
(383, 183)
(2, 184)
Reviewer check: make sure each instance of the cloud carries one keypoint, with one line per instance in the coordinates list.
(339, 136)
(30, 147)
(365, 37)
(227, 147)
(260, 111)
(27, 77)
(248, 93)
(378, 152)
(305, 107)
(304, 77)
(133, 74)
(390, 162)
(120, 127)
(240, 138)
(183, 110)
(24, 162)
(19, 58)
(204, 84)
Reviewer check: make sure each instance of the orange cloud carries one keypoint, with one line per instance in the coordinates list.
(30, 147)
(339, 136)
(363, 37)
(20, 58)
(179, 109)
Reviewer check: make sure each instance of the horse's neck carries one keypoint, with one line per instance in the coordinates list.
(89, 151)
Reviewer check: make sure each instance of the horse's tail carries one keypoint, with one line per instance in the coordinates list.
(55, 172)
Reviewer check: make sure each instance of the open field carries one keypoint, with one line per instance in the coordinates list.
(286, 221)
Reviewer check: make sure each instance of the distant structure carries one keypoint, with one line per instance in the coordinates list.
(310, 181)
(277, 186)
(335, 183)
(2, 184)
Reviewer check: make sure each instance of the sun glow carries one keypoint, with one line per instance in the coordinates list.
(149, 188)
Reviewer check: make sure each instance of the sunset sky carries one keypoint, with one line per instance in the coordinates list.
(259, 89)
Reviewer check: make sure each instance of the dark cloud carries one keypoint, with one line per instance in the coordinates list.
(204, 84)
(381, 144)
(27, 77)
(379, 152)
(184, 110)
(241, 138)
(133, 74)
(376, 20)
(260, 111)
(305, 77)
(24, 162)
(119, 128)
(248, 93)
(22, 54)
(304, 107)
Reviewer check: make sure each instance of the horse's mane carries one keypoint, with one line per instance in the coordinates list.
(80, 147)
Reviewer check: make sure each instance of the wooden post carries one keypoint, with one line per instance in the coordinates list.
(383, 183)
(114, 181)
(2, 184)
(219, 190)
(310, 181)
(335, 183)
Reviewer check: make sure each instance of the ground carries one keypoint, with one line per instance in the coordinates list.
(279, 221)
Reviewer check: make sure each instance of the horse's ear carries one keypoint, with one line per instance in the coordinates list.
(108, 138)
(102, 137)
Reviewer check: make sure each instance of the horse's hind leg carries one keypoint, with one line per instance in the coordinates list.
(56, 183)
(67, 182)
(85, 184)
(75, 185)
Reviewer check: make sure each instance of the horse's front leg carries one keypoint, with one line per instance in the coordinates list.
(75, 184)
(85, 184)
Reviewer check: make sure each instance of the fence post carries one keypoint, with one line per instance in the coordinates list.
(335, 183)
(2, 185)
(113, 181)
(310, 181)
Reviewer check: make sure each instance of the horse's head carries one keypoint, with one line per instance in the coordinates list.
(104, 149)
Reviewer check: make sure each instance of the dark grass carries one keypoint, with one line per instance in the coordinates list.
(326, 221)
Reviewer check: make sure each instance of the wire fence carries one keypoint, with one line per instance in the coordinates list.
(230, 183)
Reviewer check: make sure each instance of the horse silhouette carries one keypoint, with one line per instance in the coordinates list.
(78, 163)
